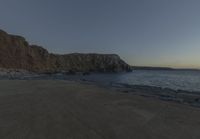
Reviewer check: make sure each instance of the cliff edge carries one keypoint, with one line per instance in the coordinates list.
(17, 53)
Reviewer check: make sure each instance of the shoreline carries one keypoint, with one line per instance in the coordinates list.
(166, 94)
(191, 98)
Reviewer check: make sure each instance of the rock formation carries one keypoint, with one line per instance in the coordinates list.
(16, 53)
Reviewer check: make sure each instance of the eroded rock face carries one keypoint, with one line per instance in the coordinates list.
(16, 53)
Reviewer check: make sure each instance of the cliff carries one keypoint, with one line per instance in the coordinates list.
(17, 53)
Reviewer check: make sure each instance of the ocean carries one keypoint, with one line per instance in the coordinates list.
(174, 79)
(188, 80)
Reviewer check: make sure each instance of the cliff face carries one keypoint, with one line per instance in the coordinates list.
(16, 53)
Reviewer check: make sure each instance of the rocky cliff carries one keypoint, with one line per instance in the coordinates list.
(16, 53)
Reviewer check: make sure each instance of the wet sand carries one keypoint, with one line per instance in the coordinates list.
(72, 110)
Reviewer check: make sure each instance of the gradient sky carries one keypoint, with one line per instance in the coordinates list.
(142, 32)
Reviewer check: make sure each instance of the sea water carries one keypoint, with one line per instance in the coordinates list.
(188, 80)
(174, 79)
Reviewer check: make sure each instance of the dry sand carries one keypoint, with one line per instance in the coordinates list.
(70, 110)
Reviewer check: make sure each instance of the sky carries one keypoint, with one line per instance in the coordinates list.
(143, 32)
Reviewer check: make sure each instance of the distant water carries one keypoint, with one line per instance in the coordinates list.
(184, 80)
(175, 79)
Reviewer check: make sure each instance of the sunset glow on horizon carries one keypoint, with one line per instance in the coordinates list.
(163, 33)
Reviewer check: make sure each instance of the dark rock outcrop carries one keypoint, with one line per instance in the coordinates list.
(16, 53)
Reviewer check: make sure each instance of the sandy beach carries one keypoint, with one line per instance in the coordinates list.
(70, 110)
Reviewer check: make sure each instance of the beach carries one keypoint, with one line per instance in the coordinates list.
(58, 109)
